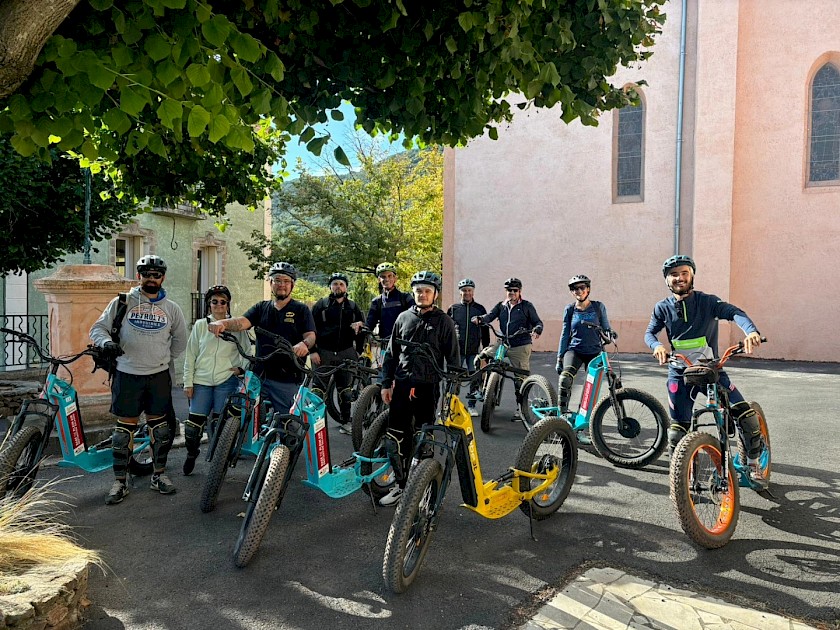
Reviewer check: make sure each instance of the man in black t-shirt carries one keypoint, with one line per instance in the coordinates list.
(286, 317)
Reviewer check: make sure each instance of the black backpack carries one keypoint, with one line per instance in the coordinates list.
(109, 364)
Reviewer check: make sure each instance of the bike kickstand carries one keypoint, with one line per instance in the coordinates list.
(372, 500)
(531, 521)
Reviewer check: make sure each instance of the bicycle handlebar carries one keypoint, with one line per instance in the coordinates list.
(731, 351)
(504, 337)
(452, 373)
(607, 336)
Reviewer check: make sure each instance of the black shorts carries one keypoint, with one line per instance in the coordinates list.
(132, 394)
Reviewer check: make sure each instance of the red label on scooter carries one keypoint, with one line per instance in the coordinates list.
(322, 448)
(587, 393)
(74, 421)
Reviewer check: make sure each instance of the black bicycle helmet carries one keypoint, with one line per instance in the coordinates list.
(513, 283)
(426, 277)
(386, 266)
(150, 262)
(339, 276)
(678, 261)
(287, 269)
(466, 282)
(218, 289)
(579, 279)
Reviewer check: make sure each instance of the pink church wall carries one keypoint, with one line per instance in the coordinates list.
(537, 203)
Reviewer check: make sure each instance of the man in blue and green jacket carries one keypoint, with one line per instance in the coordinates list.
(690, 319)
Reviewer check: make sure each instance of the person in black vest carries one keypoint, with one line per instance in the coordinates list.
(338, 339)
(385, 308)
(471, 337)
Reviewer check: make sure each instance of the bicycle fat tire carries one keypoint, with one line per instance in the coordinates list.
(141, 464)
(491, 391)
(262, 508)
(365, 410)
(413, 525)
(219, 465)
(550, 443)
(706, 514)
(18, 466)
(765, 457)
(542, 390)
(644, 453)
(331, 400)
(381, 485)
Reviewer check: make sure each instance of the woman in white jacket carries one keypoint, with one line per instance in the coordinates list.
(211, 368)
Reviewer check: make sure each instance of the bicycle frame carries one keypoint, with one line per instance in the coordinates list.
(252, 411)
(492, 499)
(62, 412)
(717, 404)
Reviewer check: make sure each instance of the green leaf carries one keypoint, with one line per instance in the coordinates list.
(388, 79)
(241, 80)
(24, 146)
(219, 128)
(337, 114)
(274, 67)
(131, 101)
(493, 133)
(341, 156)
(451, 46)
(122, 55)
(246, 47)
(216, 29)
(307, 135)
(170, 113)
(203, 12)
(174, 4)
(533, 88)
(198, 75)
(465, 22)
(155, 145)
(157, 47)
(167, 72)
(197, 121)
(428, 31)
(89, 150)
(314, 146)
(101, 5)
(116, 120)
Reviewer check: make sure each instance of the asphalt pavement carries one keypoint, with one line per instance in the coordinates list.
(320, 564)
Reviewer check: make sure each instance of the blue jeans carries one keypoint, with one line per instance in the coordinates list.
(468, 361)
(212, 397)
(281, 394)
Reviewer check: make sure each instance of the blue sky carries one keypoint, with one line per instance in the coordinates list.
(341, 132)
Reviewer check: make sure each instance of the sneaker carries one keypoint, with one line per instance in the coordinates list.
(479, 397)
(517, 416)
(162, 484)
(583, 438)
(189, 463)
(757, 477)
(117, 493)
(346, 429)
(473, 411)
(392, 498)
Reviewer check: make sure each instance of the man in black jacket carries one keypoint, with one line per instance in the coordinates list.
(334, 317)
(410, 384)
(471, 337)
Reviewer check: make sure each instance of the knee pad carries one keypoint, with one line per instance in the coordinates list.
(161, 441)
(567, 377)
(193, 430)
(676, 432)
(121, 447)
(746, 418)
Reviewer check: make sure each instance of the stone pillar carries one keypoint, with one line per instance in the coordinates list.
(76, 296)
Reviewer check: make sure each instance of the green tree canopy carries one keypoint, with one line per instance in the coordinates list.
(185, 99)
(42, 210)
(390, 210)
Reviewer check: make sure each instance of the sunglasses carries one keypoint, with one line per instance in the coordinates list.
(222, 302)
(154, 275)
(513, 290)
(578, 287)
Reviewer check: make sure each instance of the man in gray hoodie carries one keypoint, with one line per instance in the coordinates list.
(153, 331)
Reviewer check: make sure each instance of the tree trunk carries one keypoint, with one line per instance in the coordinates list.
(25, 26)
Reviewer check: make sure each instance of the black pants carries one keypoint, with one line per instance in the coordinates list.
(412, 406)
(343, 380)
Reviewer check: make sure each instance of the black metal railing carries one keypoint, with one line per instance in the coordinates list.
(197, 299)
(17, 355)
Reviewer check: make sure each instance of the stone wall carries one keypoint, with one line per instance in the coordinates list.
(45, 598)
(12, 395)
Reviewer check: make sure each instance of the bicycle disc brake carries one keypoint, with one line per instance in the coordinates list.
(629, 427)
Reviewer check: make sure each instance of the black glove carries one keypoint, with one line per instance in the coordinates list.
(559, 368)
(613, 335)
(113, 348)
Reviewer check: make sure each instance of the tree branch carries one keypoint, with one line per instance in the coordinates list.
(25, 26)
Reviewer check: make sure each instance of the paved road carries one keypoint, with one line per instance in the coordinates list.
(320, 564)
